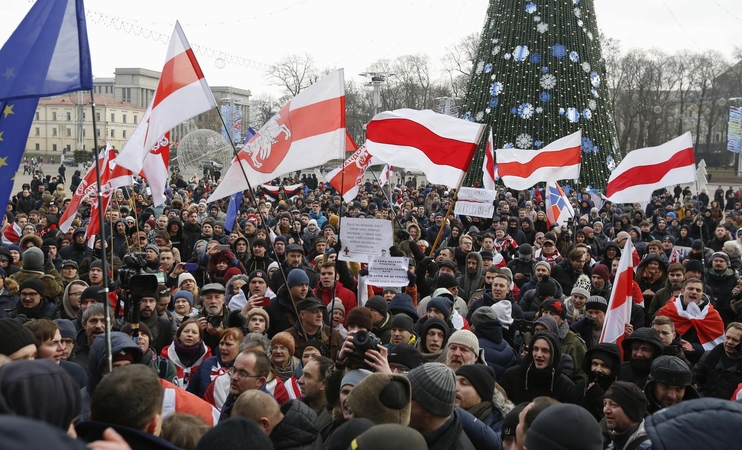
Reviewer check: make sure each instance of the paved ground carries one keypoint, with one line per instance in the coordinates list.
(49, 169)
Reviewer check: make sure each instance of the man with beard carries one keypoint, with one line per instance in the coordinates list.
(462, 349)
(94, 325)
(722, 279)
(33, 304)
(719, 372)
(472, 278)
(213, 317)
(161, 327)
(696, 320)
(669, 383)
(641, 348)
(475, 390)
(601, 364)
(294, 260)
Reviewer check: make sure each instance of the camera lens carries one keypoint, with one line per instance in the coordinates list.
(360, 338)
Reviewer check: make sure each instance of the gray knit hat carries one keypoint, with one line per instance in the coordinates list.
(33, 259)
(434, 388)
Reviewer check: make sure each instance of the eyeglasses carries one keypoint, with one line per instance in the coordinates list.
(241, 374)
(75, 294)
(29, 294)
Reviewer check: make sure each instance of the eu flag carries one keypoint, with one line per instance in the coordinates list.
(46, 55)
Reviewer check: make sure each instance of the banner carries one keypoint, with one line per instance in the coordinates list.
(486, 210)
(388, 272)
(734, 129)
(476, 195)
(364, 239)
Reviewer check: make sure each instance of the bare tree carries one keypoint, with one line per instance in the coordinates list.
(293, 73)
(458, 62)
(262, 108)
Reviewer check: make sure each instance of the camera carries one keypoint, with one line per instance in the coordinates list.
(362, 341)
(522, 326)
(134, 264)
(214, 321)
(588, 321)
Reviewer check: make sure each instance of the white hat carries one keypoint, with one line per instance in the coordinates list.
(185, 276)
(504, 311)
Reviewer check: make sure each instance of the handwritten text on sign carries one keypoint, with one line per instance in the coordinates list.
(476, 195)
(362, 239)
(474, 209)
(388, 272)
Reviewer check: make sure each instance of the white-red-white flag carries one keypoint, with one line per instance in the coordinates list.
(645, 170)
(112, 176)
(385, 174)
(560, 160)
(440, 146)
(182, 93)
(488, 167)
(619, 305)
(348, 178)
(307, 132)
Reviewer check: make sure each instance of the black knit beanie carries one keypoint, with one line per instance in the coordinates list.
(14, 336)
(481, 377)
(630, 398)
(236, 433)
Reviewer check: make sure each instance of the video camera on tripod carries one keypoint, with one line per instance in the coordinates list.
(136, 284)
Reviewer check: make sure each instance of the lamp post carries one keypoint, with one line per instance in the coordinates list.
(377, 79)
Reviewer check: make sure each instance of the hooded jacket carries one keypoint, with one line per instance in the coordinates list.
(592, 398)
(175, 230)
(525, 382)
(498, 354)
(422, 328)
(470, 282)
(298, 429)
(637, 371)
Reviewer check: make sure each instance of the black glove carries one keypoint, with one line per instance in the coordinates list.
(403, 235)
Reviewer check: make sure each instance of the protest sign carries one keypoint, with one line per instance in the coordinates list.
(362, 239)
(476, 195)
(388, 271)
(475, 209)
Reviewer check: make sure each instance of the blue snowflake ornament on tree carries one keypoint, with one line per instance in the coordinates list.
(558, 51)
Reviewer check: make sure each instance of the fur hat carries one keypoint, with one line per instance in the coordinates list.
(284, 338)
(382, 398)
(582, 286)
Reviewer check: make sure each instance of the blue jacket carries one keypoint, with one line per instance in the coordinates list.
(202, 377)
(497, 352)
(479, 433)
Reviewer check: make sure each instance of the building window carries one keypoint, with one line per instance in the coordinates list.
(123, 134)
(135, 119)
(69, 132)
(54, 115)
(124, 118)
(37, 116)
(69, 148)
(54, 131)
(113, 117)
(54, 147)
(38, 147)
(68, 116)
(113, 133)
(97, 116)
(97, 131)
(37, 131)
(83, 133)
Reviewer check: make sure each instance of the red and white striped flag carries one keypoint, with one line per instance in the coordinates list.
(619, 305)
(307, 132)
(560, 160)
(181, 94)
(348, 178)
(440, 146)
(645, 170)
(112, 176)
(488, 168)
(385, 174)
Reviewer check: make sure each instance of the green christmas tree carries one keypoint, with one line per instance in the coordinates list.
(539, 76)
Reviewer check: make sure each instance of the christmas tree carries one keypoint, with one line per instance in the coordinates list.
(538, 76)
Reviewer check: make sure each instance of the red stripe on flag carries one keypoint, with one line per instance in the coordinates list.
(489, 162)
(562, 158)
(179, 71)
(408, 133)
(312, 119)
(650, 174)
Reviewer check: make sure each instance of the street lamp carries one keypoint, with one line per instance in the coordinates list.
(377, 79)
(231, 101)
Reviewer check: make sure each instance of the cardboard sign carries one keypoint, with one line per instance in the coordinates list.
(476, 195)
(486, 210)
(388, 272)
(363, 239)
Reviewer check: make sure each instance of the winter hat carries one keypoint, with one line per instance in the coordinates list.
(621, 237)
(504, 312)
(296, 277)
(465, 338)
(694, 265)
(402, 321)
(544, 264)
(319, 345)
(511, 419)
(442, 304)
(446, 280)
(143, 329)
(434, 388)
(721, 255)
(443, 292)
(582, 286)
(697, 244)
(16, 435)
(547, 430)
(378, 304)
(402, 304)
(670, 370)
(33, 283)
(183, 294)
(236, 433)
(154, 248)
(483, 314)
(382, 398)
(93, 292)
(630, 398)
(389, 436)
(66, 328)
(259, 312)
(284, 338)
(525, 249)
(343, 437)
(549, 322)
(546, 287)
(33, 259)
(360, 317)
(14, 336)
(337, 305)
(354, 377)
(601, 270)
(395, 289)
(406, 355)
(257, 273)
(556, 306)
(596, 302)
(231, 273)
(481, 377)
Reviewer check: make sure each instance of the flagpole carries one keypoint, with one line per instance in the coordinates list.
(262, 220)
(101, 234)
(391, 205)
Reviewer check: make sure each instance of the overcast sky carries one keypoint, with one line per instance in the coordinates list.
(354, 34)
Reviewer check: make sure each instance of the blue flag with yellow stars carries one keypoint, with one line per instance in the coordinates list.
(46, 55)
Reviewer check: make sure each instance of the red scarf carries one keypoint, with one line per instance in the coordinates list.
(707, 322)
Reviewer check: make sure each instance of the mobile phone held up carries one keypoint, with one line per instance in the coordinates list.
(190, 267)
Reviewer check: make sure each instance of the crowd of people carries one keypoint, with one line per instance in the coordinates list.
(257, 336)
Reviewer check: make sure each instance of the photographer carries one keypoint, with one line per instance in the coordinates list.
(213, 317)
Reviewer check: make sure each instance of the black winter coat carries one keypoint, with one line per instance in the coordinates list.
(497, 352)
(298, 429)
(713, 379)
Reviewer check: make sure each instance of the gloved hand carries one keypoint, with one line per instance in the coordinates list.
(363, 272)
(412, 277)
(403, 235)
